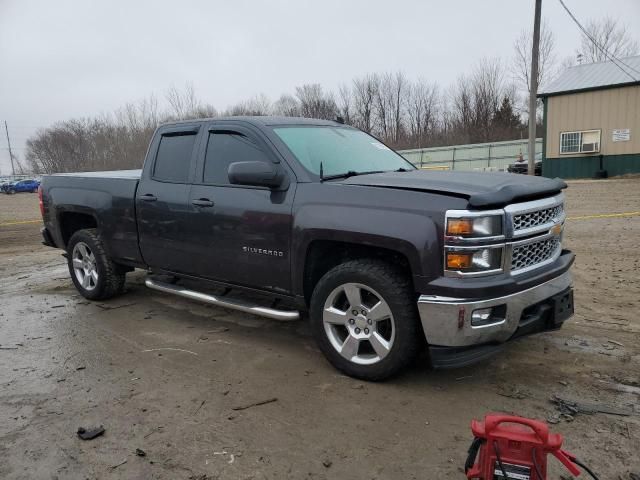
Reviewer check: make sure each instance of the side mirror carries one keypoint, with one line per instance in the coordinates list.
(257, 174)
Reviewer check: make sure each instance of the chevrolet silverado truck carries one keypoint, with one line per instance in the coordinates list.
(316, 217)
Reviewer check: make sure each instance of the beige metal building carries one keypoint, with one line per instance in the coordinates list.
(592, 120)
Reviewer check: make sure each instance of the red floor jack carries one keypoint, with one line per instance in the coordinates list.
(509, 447)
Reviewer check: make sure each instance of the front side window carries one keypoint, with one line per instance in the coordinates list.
(224, 148)
(173, 160)
(587, 141)
(339, 150)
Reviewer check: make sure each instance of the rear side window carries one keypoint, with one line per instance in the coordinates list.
(173, 160)
(224, 148)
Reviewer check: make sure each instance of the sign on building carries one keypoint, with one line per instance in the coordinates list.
(621, 135)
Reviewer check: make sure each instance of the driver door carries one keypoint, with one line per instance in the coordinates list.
(239, 234)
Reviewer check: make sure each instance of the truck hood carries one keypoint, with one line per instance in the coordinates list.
(482, 189)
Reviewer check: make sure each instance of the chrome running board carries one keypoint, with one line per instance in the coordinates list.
(234, 304)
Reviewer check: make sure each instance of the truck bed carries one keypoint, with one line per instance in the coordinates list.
(109, 197)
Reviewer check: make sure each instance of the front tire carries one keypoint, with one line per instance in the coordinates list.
(93, 273)
(365, 319)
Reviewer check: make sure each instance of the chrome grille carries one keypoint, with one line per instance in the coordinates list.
(534, 253)
(539, 217)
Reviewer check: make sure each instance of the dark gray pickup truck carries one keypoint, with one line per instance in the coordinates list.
(319, 217)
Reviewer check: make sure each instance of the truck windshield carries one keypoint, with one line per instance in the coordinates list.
(339, 150)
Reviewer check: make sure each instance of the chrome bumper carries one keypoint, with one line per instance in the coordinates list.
(447, 321)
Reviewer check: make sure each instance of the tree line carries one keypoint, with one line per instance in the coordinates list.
(403, 113)
(486, 104)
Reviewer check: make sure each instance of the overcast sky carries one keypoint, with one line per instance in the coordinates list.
(63, 59)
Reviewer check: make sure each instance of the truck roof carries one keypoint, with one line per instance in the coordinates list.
(262, 121)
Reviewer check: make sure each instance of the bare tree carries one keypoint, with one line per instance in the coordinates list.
(460, 115)
(611, 39)
(143, 115)
(184, 104)
(130, 133)
(259, 105)
(474, 100)
(422, 104)
(398, 100)
(345, 103)
(365, 91)
(547, 62)
(390, 100)
(315, 103)
(286, 106)
(383, 107)
(488, 89)
(205, 110)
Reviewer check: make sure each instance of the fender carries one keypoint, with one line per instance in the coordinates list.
(369, 217)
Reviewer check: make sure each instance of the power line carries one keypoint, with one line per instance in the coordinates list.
(602, 49)
(629, 66)
(616, 61)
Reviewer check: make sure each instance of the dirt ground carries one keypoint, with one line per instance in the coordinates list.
(167, 375)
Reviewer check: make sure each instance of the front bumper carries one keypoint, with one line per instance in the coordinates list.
(448, 329)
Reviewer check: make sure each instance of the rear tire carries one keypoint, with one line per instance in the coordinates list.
(365, 319)
(93, 273)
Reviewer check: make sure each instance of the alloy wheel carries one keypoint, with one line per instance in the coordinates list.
(84, 266)
(358, 323)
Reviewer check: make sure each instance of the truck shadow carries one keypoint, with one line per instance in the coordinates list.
(296, 335)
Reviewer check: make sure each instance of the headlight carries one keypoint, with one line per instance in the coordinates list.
(473, 242)
(473, 260)
(474, 227)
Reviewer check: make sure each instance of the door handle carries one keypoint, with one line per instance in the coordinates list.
(202, 202)
(148, 197)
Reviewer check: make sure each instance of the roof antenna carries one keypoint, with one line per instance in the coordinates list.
(340, 119)
(321, 172)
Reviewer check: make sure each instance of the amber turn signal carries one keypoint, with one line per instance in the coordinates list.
(459, 261)
(459, 226)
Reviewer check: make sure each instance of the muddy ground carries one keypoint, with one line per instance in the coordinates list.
(164, 375)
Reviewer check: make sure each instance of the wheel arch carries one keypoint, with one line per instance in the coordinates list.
(323, 255)
(70, 221)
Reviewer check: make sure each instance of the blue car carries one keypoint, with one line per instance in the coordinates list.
(21, 186)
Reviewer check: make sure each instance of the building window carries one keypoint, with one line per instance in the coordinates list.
(587, 141)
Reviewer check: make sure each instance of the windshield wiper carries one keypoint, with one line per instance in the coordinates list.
(347, 174)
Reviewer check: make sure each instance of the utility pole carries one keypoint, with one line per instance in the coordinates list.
(6, 129)
(533, 88)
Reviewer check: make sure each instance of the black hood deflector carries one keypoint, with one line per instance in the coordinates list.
(482, 189)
